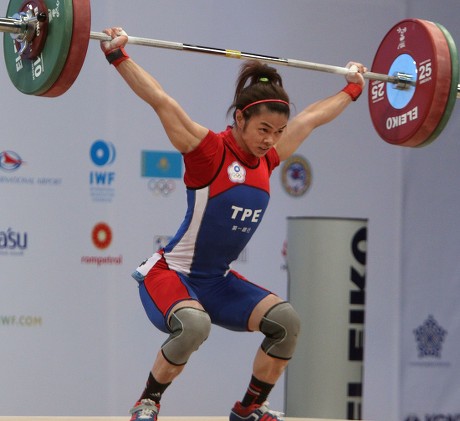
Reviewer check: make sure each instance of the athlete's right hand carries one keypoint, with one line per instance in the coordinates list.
(119, 40)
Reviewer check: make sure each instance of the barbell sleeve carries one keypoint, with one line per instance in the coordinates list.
(12, 26)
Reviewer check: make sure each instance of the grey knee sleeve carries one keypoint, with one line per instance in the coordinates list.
(189, 329)
(281, 326)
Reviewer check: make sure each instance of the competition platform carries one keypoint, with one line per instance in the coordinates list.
(126, 418)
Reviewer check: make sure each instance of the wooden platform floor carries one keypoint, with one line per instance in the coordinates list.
(126, 418)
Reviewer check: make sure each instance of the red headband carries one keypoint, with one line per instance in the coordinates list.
(263, 101)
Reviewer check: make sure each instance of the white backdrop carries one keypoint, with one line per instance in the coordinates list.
(74, 337)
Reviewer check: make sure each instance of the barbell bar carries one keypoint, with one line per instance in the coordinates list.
(147, 42)
(411, 94)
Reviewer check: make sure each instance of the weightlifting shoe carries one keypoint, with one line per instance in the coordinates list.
(254, 412)
(145, 410)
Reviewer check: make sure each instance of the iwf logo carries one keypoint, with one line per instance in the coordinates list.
(102, 154)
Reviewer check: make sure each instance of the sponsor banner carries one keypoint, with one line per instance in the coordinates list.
(11, 172)
(10, 161)
(326, 260)
(13, 242)
(20, 321)
(101, 237)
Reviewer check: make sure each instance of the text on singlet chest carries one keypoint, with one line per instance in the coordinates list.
(242, 214)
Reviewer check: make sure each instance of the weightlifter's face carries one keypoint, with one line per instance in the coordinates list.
(261, 132)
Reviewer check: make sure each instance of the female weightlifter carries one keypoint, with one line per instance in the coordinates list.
(188, 285)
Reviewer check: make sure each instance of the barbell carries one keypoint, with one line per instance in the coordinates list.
(414, 78)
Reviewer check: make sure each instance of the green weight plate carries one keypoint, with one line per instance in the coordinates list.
(453, 86)
(34, 77)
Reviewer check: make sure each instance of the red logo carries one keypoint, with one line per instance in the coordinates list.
(102, 235)
(10, 161)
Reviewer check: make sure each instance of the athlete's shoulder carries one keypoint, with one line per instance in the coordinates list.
(203, 162)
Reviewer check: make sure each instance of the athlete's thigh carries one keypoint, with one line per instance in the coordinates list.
(231, 303)
(161, 291)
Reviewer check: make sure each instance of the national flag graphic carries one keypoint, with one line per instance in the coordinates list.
(158, 164)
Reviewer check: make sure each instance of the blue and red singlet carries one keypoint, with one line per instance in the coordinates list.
(228, 191)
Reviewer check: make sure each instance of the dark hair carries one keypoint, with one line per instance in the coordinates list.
(258, 81)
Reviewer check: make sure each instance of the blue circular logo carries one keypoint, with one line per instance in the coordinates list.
(102, 153)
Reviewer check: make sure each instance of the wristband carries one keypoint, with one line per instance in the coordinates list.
(354, 90)
(116, 57)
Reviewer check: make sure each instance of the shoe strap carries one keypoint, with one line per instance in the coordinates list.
(145, 405)
(265, 409)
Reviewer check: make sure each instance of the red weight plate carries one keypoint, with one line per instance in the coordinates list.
(81, 30)
(415, 122)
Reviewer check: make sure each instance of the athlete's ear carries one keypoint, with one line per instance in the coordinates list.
(239, 118)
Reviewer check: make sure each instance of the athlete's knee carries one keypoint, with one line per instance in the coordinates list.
(189, 327)
(281, 327)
